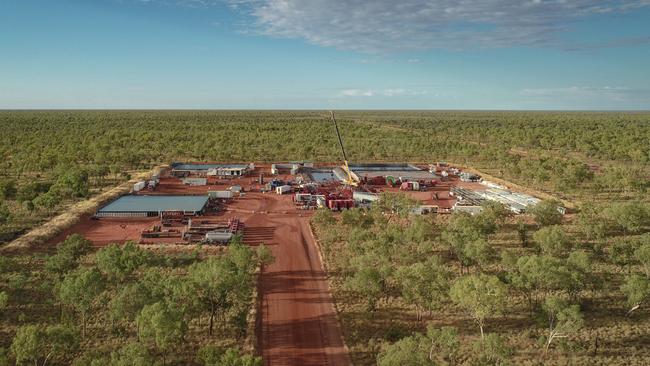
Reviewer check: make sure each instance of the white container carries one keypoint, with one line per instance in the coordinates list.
(283, 189)
(274, 169)
(218, 236)
(220, 194)
(365, 196)
(138, 186)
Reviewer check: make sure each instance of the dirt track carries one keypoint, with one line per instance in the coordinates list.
(298, 319)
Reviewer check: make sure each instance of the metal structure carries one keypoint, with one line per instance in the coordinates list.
(348, 180)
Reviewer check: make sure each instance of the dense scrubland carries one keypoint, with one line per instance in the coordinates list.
(49, 158)
(489, 289)
(123, 305)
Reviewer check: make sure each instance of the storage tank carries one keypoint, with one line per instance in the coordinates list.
(365, 196)
(218, 236)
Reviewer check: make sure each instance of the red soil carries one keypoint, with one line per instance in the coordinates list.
(298, 323)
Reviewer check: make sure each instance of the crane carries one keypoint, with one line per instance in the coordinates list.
(349, 180)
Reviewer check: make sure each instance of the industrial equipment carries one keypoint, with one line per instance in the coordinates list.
(349, 180)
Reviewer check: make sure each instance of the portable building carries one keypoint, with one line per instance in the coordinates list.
(152, 206)
(274, 169)
(235, 189)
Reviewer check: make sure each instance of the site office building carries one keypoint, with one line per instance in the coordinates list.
(211, 170)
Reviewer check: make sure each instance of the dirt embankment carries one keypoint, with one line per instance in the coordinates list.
(73, 214)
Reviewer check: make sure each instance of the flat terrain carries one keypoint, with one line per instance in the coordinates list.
(298, 322)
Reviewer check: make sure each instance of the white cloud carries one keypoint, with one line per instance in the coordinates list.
(390, 92)
(391, 25)
(356, 93)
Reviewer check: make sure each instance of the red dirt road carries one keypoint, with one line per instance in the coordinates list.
(299, 325)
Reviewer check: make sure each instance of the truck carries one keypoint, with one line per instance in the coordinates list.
(283, 189)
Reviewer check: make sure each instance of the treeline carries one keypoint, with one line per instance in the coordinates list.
(50, 157)
(124, 305)
(488, 289)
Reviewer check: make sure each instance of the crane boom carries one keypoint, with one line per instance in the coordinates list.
(350, 180)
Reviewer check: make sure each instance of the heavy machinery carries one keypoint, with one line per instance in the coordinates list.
(349, 180)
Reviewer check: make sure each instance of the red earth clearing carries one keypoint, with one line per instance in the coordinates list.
(298, 324)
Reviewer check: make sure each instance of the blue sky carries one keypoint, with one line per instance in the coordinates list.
(321, 54)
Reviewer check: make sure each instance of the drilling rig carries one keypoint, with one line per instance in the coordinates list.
(348, 180)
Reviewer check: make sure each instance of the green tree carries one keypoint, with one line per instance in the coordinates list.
(61, 341)
(27, 345)
(546, 213)
(637, 290)
(622, 252)
(67, 255)
(642, 254)
(492, 350)
(119, 262)
(630, 217)
(264, 255)
(552, 240)
(480, 295)
(563, 319)
(369, 280)
(444, 344)
(592, 223)
(79, 290)
(210, 355)
(408, 351)
(129, 301)
(223, 282)
(161, 325)
(131, 354)
(424, 285)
